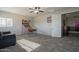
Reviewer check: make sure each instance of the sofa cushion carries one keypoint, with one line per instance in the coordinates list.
(7, 40)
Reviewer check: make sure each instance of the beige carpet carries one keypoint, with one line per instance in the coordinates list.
(28, 45)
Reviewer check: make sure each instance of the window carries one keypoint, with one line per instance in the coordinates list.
(6, 22)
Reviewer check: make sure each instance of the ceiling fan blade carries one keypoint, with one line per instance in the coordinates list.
(41, 11)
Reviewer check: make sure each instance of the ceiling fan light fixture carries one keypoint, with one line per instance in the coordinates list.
(36, 11)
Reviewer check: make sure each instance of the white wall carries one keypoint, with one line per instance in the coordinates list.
(40, 23)
(17, 22)
(53, 29)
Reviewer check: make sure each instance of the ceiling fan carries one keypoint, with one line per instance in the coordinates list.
(36, 10)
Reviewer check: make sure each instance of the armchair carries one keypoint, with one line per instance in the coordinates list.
(7, 40)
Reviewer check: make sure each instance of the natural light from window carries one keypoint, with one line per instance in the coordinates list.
(6, 22)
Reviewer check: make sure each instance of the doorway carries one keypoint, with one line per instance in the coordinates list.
(70, 24)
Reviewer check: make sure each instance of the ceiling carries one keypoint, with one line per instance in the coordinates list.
(26, 12)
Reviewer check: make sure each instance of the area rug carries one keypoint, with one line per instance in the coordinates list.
(28, 45)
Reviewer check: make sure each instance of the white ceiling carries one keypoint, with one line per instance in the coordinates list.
(26, 12)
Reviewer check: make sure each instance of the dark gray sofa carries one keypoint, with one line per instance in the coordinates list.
(7, 40)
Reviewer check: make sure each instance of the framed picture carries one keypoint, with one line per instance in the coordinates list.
(49, 19)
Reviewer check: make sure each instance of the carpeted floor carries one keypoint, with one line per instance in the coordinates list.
(48, 44)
